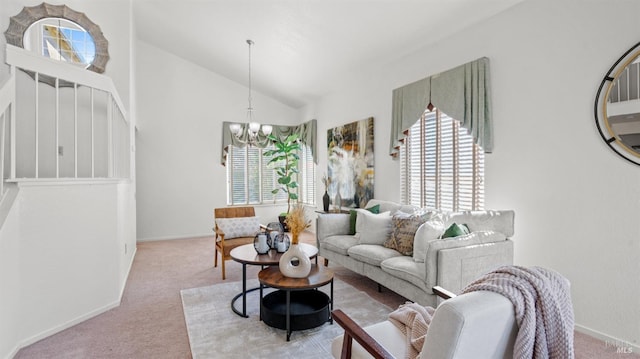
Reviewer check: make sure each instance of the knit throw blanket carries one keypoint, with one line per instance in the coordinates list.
(543, 309)
(413, 321)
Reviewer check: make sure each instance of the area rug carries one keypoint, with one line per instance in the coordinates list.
(216, 332)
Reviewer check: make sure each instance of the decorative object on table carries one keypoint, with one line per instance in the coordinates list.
(282, 243)
(274, 229)
(326, 200)
(252, 133)
(260, 243)
(337, 202)
(350, 164)
(294, 262)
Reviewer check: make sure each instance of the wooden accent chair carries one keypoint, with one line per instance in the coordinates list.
(224, 246)
(473, 325)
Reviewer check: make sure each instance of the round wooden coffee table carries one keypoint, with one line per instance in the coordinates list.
(247, 255)
(297, 305)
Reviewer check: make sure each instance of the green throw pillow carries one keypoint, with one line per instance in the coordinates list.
(456, 230)
(354, 214)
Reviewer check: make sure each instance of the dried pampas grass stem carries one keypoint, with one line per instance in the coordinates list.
(297, 222)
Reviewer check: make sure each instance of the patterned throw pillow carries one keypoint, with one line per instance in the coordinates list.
(404, 229)
(238, 226)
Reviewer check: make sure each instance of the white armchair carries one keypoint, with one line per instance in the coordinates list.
(472, 325)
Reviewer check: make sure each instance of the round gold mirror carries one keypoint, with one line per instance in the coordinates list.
(617, 106)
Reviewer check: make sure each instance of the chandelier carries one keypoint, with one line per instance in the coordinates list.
(252, 128)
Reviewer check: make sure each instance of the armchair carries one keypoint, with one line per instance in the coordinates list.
(243, 231)
(473, 325)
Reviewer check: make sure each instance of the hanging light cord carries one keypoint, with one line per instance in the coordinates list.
(250, 42)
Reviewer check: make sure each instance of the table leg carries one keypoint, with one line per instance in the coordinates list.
(243, 295)
(288, 314)
(260, 301)
(331, 304)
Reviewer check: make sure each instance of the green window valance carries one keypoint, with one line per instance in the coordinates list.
(307, 133)
(464, 93)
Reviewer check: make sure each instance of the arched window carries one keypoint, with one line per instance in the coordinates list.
(60, 33)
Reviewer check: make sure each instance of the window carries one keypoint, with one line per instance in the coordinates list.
(440, 165)
(67, 44)
(250, 180)
(60, 33)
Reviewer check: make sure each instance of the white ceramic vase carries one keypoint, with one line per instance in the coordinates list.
(297, 255)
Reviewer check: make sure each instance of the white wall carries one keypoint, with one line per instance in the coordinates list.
(576, 202)
(64, 257)
(181, 107)
(66, 249)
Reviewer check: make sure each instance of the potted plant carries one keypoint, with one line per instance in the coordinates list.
(285, 161)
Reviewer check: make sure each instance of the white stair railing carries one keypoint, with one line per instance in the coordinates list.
(7, 113)
(81, 111)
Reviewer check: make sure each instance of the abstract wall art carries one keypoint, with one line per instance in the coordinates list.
(350, 164)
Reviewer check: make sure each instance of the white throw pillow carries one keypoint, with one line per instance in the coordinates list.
(373, 228)
(238, 226)
(428, 231)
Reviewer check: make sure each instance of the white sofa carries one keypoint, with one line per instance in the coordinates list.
(450, 263)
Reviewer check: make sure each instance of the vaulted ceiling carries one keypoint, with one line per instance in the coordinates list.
(303, 48)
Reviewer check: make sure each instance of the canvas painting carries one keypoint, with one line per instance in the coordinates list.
(350, 164)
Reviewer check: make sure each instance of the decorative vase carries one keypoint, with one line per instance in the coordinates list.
(295, 263)
(325, 201)
(337, 202)
(261, 243)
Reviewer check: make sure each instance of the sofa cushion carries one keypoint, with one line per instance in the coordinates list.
(339, 243)
(499, 221)
(428, 231)
(372, 253)
(372, 228)
(353, 215)
(404, 227)
(406, 268)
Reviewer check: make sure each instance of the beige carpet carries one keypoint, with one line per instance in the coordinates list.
(216, 332)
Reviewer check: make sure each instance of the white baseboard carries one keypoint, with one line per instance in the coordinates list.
(77, 320)
(126, 277)
(13, 352)
(621, 346)
(184, 236)
(59, 328)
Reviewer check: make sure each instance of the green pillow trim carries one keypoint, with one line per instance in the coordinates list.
(456, 230)
(354, 215)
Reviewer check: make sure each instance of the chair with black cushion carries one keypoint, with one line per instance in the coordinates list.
(234, 226)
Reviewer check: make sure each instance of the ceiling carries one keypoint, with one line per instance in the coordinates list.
(302, 47)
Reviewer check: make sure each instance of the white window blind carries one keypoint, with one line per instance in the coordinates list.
(250, 180)
(441, 167)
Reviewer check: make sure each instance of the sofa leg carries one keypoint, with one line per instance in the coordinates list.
(326, 262)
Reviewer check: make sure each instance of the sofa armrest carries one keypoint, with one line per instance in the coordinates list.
(457, 267)
(331, 224)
